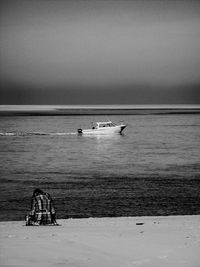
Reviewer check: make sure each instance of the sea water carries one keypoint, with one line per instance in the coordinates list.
(153, 168)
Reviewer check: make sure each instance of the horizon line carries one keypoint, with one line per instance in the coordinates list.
(96, 106)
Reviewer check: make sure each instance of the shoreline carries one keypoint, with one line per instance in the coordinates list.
(145, 217)
(104, 242)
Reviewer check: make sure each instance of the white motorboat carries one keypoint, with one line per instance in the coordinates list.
(107, 127)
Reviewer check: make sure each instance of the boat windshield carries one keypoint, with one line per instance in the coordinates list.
(106, 124)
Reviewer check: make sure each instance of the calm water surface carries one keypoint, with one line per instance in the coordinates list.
(152, 169)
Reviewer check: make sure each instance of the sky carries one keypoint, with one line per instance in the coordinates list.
(99, 52)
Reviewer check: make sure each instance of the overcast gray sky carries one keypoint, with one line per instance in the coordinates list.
(100, 52)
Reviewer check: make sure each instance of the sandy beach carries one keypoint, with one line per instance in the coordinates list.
(103, 242)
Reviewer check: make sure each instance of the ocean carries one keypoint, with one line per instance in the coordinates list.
(153, 168)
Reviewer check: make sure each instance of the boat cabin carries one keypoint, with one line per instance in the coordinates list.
(105, 124)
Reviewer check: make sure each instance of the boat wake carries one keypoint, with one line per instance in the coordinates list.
(35, 133)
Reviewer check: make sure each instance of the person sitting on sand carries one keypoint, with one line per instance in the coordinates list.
(42, 209)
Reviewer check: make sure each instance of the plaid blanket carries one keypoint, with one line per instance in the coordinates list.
(42, 209)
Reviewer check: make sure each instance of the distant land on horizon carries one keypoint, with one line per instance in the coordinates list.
(25, 110)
